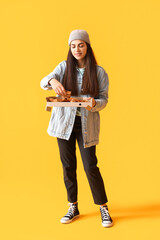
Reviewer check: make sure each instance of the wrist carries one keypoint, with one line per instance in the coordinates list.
(49, 82)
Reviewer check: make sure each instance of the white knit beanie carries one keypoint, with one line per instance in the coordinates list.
(79, 35)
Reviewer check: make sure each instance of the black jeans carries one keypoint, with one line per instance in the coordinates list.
(67, 150)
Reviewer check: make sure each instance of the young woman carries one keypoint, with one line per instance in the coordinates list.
(81, 75)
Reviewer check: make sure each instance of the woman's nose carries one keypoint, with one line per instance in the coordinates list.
(77, 49)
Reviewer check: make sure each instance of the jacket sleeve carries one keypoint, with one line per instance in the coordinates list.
(56, 73)
(102, 99)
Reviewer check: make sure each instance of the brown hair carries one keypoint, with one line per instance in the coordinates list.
(90, 82)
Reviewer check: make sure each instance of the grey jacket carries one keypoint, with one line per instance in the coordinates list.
(62, 118)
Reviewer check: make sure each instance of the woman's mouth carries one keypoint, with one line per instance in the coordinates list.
(77, 54)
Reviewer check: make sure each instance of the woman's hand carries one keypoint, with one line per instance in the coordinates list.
(93, 103)
(58, 87)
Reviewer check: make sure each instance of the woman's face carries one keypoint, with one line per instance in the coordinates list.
(78, 49)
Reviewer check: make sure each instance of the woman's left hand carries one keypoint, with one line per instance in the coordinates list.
(93, 103)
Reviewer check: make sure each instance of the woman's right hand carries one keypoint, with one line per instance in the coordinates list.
(57, 87)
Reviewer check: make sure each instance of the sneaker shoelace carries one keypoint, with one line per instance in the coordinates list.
(71, 211)
(105, 214)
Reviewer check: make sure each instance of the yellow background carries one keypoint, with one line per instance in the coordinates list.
(34, 39)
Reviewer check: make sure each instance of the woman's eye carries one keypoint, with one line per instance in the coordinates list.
(81, 46)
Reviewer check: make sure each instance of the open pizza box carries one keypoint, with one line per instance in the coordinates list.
(67, 102)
